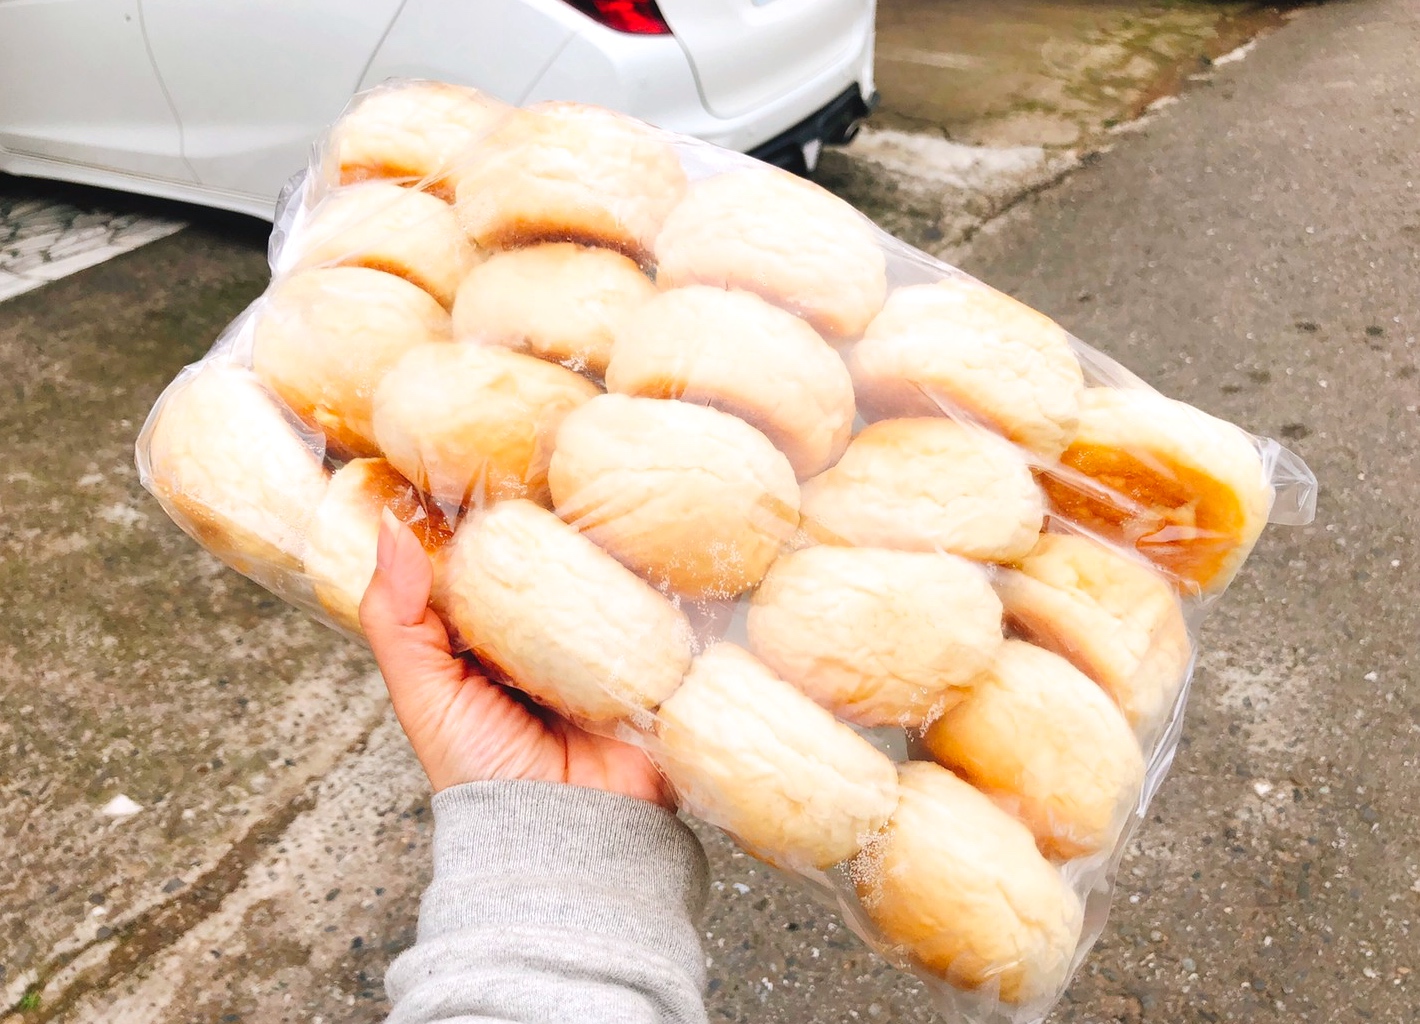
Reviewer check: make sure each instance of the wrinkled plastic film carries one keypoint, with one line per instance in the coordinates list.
(895, 579)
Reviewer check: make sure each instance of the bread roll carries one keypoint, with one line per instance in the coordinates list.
(569, 173)
(340, 546)
(1115, 620)
(924, 485)
(417, 132)
(231, 470)
(690, 498)
(559, 617)
(379, 225)
(736, 353)
(324, 339)
(1049, 746)
(960, 345)
(766, 231)
(751, 754)
(557, 301)
(470, 424)
(877, 637)
(960, 886)
(1186, 489)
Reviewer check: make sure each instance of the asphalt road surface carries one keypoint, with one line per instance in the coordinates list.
(1253, 249)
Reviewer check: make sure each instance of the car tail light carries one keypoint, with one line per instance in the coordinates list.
(638, 17)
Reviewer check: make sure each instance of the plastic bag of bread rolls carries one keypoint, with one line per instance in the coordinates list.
(894, 579)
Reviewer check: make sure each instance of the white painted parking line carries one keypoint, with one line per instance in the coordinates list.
(42, 241)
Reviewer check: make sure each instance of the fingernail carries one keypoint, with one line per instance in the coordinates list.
(384, 545)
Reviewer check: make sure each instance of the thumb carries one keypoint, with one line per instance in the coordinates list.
(408, 640)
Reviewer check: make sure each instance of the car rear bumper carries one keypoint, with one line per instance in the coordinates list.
(797, 148)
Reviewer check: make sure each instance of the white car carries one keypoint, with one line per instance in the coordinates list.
(218, 102)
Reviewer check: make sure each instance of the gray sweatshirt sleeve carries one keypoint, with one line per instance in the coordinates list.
(555, 903)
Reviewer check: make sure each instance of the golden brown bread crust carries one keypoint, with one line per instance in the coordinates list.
(471, 424)
(786, 239)
(324, 339)
(382, 226)
(958, 885)
(567, 173)
(1047, 745)
(558, 301)
(692, 499)
(926, 485)
(341, 540)
(751, 754)
(1184, 488)
(877, 637)
(962, 346)
(232, 471)
(557, 616)
(735, 352)
(1112, 617)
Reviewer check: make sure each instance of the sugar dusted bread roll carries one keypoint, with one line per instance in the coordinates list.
(735, 352)
(751, 754)
(559, 617)
(471, 424)
(232, 471)
(927, 484)
(1114, 619)
(410, 234)
(961, 346)
(1186, 489)
(340, 546)
(325, 338)
(570, 173)
(416, 132)
(690, 498)
(959, 886)
(877, 637)
(766, 231)
(1049, 746)
(558, 301)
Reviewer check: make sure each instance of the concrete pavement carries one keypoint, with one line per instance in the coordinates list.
(1257, 252)
(274, 867)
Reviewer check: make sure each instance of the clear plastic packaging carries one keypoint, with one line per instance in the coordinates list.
(897, 582)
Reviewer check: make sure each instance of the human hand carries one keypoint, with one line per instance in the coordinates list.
(464, 727)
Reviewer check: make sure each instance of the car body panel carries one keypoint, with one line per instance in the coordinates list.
(253, 81)
(747, 53)
(77, 86)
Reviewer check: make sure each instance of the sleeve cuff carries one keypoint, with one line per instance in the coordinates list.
(557, 857)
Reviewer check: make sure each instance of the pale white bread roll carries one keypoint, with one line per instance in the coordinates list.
(1186, 489)
(410, 234)
(416, 131)
(747, 752)
(570, 173)
(961, 346)
(769, 232)
(470, 424)
(735, 352)
(877, 637)
(960, 887)
(1117, 621)
(1049, 746)
(341, 541)
(691, 498)
(557, 301)
(324, 339)
(561, 619)
(924, 485)
(232, 471)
